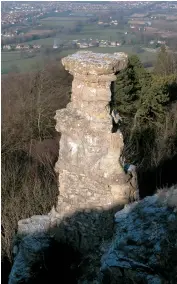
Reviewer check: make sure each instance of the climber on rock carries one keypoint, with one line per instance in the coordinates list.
(131, 174)
(115, 115)
(116, 120)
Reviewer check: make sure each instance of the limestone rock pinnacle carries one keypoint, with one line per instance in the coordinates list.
(89, 172)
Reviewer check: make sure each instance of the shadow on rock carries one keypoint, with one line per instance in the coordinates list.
(39, 258)
(135, 245)
(47, 248)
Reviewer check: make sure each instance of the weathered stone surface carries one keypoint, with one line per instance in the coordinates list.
(89, 63)
(144, 248)
(34, 224)
(88, 164)
(40, 259)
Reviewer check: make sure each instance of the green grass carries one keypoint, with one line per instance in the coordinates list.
(11, 59)
(95, 31)
(10, 56)
(51, 23)
(42, 41)
(70, 18)
(61, 21)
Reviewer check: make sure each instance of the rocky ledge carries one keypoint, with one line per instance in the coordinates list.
(144, 247)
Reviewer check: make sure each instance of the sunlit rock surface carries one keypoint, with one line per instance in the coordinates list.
(144, 247)
(90, 176)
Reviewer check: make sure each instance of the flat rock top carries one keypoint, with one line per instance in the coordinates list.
(89, 63)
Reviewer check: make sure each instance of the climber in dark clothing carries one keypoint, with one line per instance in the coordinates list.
(131, 174)
(116, 120)
(115, 115)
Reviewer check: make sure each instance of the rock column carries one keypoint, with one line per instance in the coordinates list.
(90, 177)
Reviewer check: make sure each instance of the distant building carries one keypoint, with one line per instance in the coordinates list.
(8, 47)
(161, 42)
(114, 22)
(113, 43)
(84, 45)
(94, 43)
(18, 46)
(25, 46)
(152, 42)
(36, 46)
(56, 43)
(103, 44)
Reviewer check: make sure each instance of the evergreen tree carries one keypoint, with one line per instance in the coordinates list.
(128, 87)
(152, 105)
(142, 100)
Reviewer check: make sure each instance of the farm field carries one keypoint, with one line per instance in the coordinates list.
(10, 56)
(13, 61)
(10, 59)
(61, 21)
(98, 32)
(43, 41)
(91, 31)
(37, 32)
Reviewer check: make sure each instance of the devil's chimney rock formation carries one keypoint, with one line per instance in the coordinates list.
(90, 176)
(91, 181)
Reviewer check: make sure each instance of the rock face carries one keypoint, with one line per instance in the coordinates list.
(90, 176)
(144, 248)
(40, 259)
